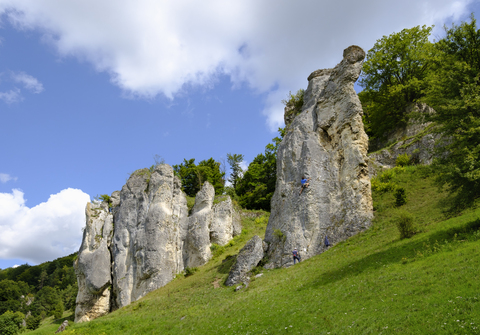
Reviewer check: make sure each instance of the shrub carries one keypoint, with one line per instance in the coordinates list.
(33, 322)
(386, 175)
(279, 234)
(400, 196)
(190, 271)
(404, 223)
(217, 250)
(403, 160)
(381, 187)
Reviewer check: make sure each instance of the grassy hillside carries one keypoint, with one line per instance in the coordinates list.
(374, 283)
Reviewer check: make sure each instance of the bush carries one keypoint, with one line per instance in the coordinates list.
(217, 250)
(190, 271)
(400, 196)
(381, 187)
(404, 223)
(279, 234)
(403, 160)
(33, 322)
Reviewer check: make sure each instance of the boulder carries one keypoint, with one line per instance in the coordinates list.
(93, 265)
(248, 258)
(62, 327)
(326, 142)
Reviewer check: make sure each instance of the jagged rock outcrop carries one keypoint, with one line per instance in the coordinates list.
(150, 237)
(248, 258)
(327, 143)
(417, 139)
(93, 264)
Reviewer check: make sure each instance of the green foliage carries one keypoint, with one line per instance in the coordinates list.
(234, 161)
(193, 176)
(453, 92)
(393, 77)
(33, 322)
(217, 250)
(256, 188)
(46, 301)
(190, 203)
(294, 104)
(403, 160)
(190, 271)
(58, 310)
(400, 196)
(279, 234)
(10, 322)
(404, 223)
(295, 100)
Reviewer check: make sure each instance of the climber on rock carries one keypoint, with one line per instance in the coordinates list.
(296, 256)
(305, 184)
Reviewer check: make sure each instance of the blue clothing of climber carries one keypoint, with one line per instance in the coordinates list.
(296, 256)
(305, 184)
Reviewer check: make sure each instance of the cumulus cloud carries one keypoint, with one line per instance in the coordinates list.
(4, 177)
(152, 47)
(47, 231)
(29, 82)
(11, 96)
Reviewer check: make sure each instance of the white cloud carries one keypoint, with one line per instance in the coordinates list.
(152, 47)
(29, 82)
(4, 177)
(47, 231)
(11, 96)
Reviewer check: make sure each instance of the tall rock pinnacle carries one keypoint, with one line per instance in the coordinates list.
(326, 142)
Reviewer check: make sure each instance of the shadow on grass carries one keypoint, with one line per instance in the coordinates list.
(461, 233)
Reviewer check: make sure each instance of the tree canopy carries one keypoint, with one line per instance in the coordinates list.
(394, 76)
(193, 176)
(454, 92)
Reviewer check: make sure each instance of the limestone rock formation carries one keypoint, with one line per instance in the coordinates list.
(327, 143)
(150, 225)
(150, 237)
(248, 258)
(93, 264)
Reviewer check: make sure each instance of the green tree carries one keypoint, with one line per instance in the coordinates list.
(394, 76)
(234, 161)
(255, 189)
(10, 322)
(193, 176)
(454, 91)
(10, 293)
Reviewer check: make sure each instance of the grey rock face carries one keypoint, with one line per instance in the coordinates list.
(150, 225)
(327, 143)
(248, 258)
(94, 263)
(62, 327)
(153, 239)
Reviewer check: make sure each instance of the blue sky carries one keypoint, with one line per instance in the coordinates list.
(90, 91)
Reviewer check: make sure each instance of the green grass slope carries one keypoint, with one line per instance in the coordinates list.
(374, 283)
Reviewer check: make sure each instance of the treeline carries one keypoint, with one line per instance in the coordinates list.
(32, 293)
(406, 67)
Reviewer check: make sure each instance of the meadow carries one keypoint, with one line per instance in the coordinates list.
(373, 283)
